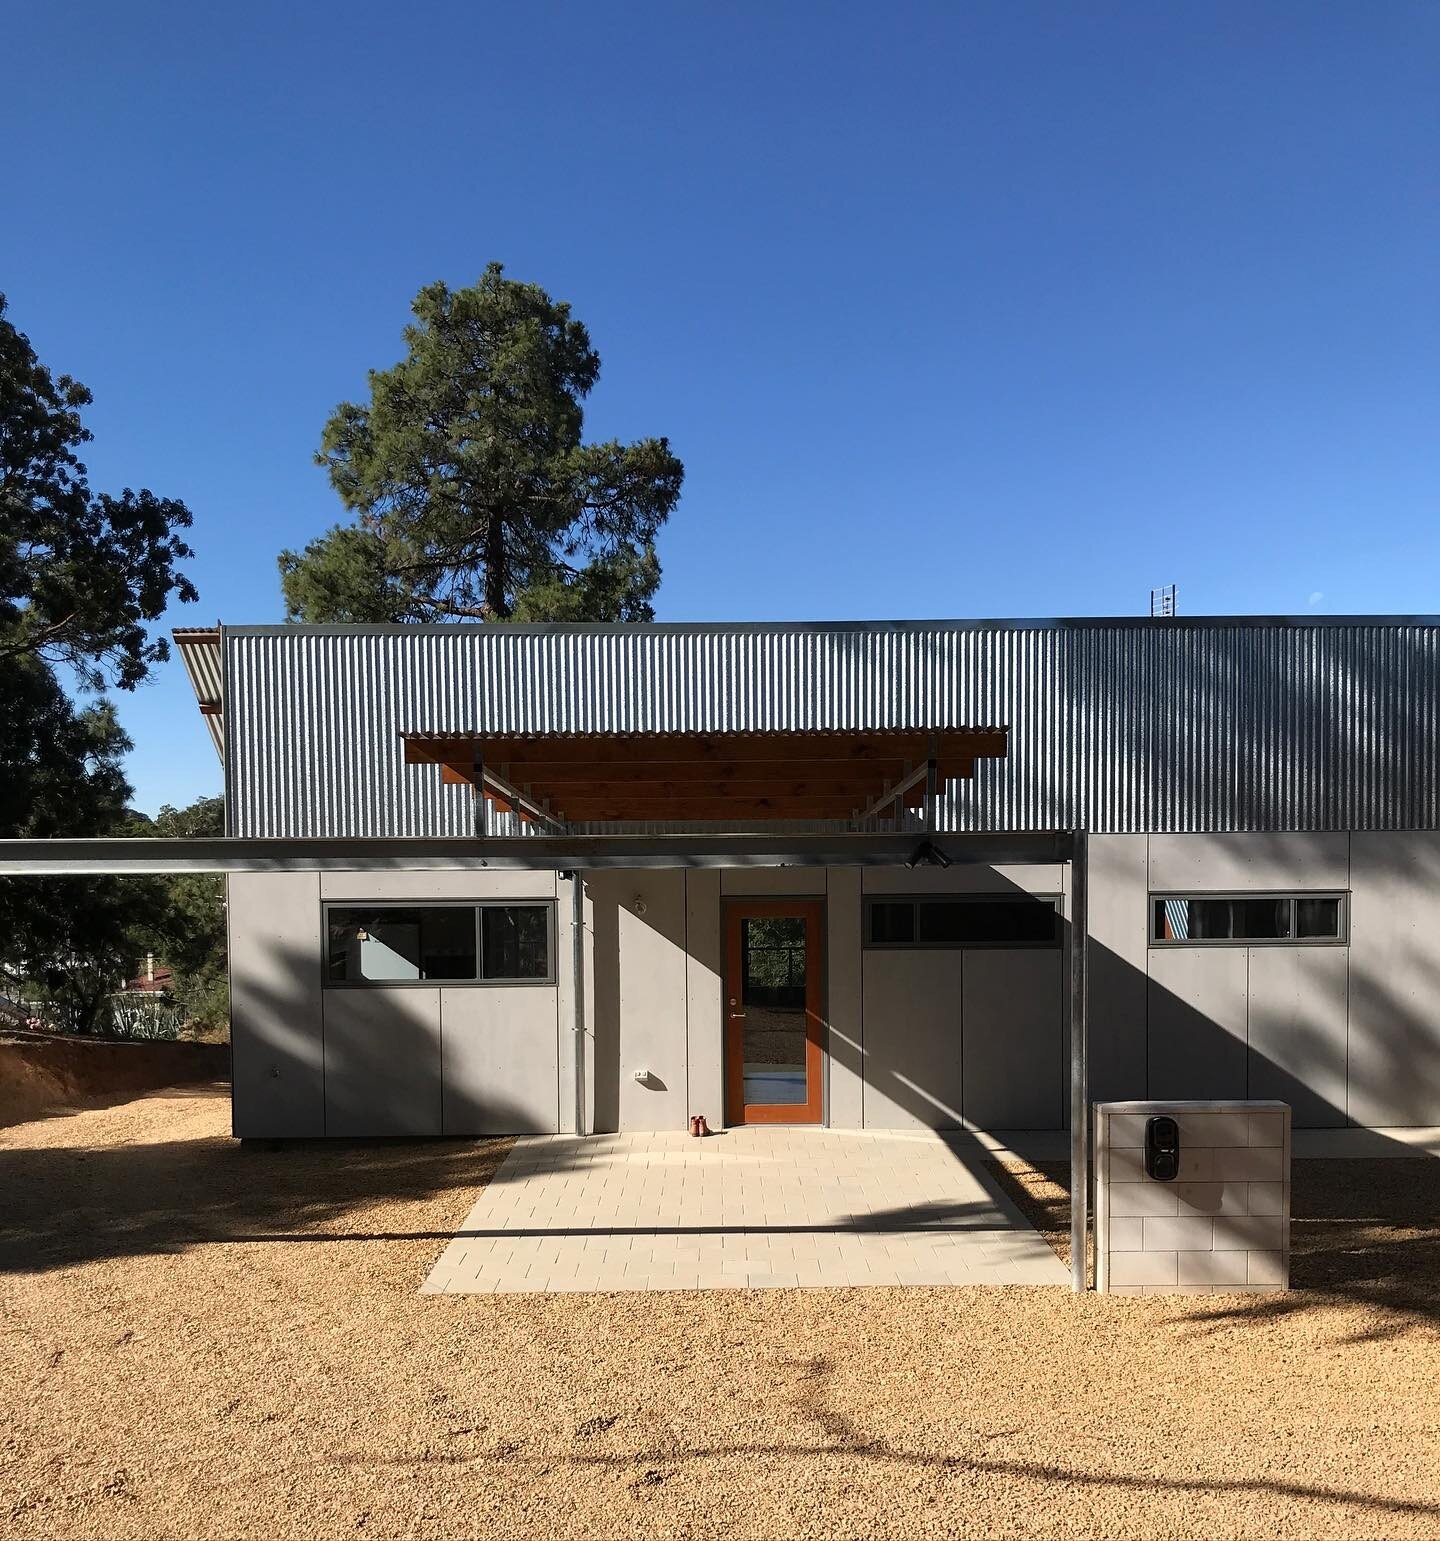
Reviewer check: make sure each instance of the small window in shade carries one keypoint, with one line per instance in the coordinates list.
(426, 941)
(987, 922)
(978, 921)
(1318, 918)
(892, 924)
(1260, 918)
(515, 941)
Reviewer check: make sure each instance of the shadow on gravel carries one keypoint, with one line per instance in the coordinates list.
(67, 1205)
(806, 1389)
(1363, 1232)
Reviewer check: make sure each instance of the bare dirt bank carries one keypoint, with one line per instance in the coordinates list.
(41, 1075)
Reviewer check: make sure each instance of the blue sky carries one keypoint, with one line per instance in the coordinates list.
(962, 309)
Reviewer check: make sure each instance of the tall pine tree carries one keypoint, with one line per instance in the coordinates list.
(475, 495)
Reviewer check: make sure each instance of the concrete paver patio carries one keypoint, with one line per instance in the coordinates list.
(750, 1208)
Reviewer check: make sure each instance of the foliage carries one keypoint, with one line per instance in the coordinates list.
(187, 927)
(80, 572)
(474, 492)
(81, 575)
(145, 1016)
(69, 939)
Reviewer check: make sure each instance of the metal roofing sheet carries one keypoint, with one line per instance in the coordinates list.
(1205, 724)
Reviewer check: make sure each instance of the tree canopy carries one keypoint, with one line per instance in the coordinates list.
(81, 575)
(474, 492)
(81, 572)
(69, 940)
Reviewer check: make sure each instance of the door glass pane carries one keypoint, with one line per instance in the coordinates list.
(772, 952)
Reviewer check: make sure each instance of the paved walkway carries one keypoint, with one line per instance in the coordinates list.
(752, 1208)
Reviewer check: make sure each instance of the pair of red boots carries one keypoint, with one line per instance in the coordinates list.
(698, 1126)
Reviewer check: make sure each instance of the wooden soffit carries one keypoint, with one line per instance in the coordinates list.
(684, 777)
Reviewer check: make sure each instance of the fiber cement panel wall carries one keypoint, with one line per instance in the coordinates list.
(373, 887)
(1029, 879)
(276, 1039)
(1297, 1031)
(704, 1006)
(913, 1062)
(652, 1000)
(1197, 1023)
(1256, 861)
(500, 1061)
(1395, 979)
(1118, 966)
(1011, 1039)
(844, 1006)
(382, 1061)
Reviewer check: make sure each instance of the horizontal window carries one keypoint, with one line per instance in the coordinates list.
(1286, 918)
(441, 943)
(981, 920)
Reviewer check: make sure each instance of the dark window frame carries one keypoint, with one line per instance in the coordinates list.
(478, 982)
(1053, 900)
(1293, 896)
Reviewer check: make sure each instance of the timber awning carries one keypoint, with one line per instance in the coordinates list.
(709, 777)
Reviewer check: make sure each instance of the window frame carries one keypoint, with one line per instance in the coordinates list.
(479, 982)
(1054, 900)
(1292, 895)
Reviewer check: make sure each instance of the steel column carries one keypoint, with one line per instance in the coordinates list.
(577, 969)
(1079, 1064)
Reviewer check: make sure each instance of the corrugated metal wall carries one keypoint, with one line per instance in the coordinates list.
(1114, 726)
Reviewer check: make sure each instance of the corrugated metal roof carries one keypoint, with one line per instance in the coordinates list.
(1252, 723)
(200, 651)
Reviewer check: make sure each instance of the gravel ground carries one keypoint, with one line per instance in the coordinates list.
(201, 1340)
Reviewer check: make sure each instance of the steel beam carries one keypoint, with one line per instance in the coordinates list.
(552, 853)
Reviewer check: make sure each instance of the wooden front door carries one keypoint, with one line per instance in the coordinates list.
(774, 999)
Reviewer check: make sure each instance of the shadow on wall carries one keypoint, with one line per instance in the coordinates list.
(1249, 1023)
(1252, 1023)
(605, 988)
(374, 1063)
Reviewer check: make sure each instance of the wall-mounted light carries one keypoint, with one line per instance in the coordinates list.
(640, 905)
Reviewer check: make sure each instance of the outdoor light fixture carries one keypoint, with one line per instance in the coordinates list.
(927, 854)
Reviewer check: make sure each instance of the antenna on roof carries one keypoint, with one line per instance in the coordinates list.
(1162, 601)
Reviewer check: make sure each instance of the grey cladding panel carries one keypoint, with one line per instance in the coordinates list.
(1011, 1023)
(382, 1061)
(1117, 966)
(1197, 1023)
(912, 1005)
(1395, 980)
(1297, 1034)
(276, 1047)
(501, 1061)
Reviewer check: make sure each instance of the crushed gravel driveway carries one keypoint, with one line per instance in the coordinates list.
(201, 1340)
